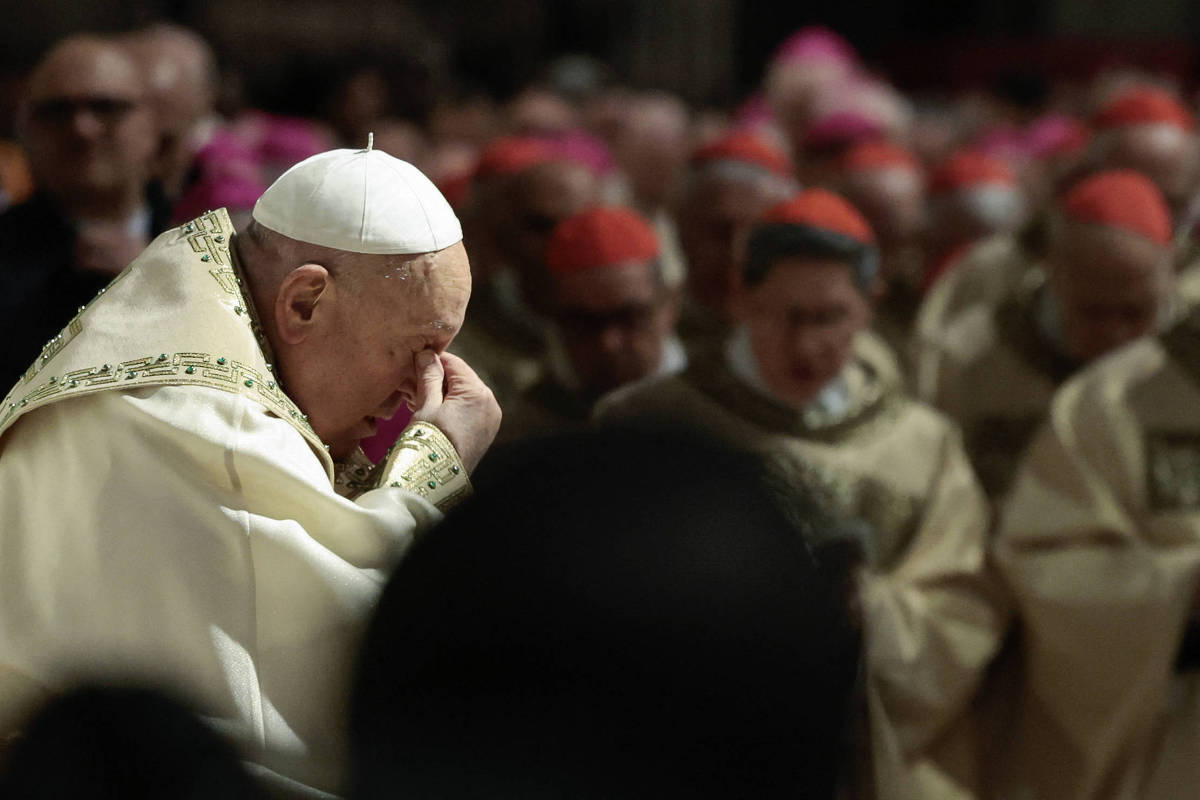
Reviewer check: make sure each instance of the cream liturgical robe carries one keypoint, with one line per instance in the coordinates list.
(991, 272)
(997, 376)
(1100, 545)
(167, 515)
(932, 618)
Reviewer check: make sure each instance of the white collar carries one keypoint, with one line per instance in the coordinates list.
(832, 401)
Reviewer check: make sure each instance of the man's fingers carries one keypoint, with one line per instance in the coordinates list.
(457, 371)
(430, 377)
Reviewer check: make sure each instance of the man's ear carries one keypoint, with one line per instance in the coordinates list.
(296, 302)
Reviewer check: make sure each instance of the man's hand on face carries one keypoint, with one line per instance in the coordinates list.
(451, 396)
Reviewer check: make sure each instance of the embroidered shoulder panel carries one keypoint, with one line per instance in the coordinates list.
(1173, 470)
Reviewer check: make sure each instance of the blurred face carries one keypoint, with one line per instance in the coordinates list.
(542, 197)
(356, 364)
(975, 213)
(180, 88)
(802, 321)
(1167, 155)
(716, 215)
(652, 150)
(89, 129)
(614, 322)
(892, 200)
(1111, 288)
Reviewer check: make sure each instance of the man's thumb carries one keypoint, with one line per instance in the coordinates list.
(430, 377)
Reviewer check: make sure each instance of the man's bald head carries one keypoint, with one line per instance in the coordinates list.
(721, 202)
(1167, 154)
(88, 128)
(1111, 285)
(537, 200)
(178, 63)
(181, 74)
(892, 200)
(652, 147)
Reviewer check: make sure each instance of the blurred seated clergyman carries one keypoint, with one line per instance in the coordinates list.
(612, 324)
(792, 388)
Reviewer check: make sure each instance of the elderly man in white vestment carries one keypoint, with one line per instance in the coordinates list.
(182, 496)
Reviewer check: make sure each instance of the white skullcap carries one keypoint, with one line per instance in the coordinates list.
(359, 201)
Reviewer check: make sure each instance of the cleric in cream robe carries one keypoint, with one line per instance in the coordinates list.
(793, 386)
(1108, 280)
(183, 500)
(612, 322)
(1099, 545)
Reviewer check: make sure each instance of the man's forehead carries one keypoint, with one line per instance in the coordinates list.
(447, 263)
(630, 280)
(87, 68)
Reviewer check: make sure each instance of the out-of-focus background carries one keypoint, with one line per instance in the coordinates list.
(288, 55)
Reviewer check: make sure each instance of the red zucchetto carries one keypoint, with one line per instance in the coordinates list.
(747, 148)
(1145, 105)
(600, 237)
(814, 224)
(824, 211)
(1120, 198)
(510, 155)
(967, 169)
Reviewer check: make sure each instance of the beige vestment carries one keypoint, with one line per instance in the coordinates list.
(990, 273)
(932, 619)
(1100, 546)
(168, 515)
(997, 375)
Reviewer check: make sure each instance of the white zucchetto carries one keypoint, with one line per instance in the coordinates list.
(359, 201)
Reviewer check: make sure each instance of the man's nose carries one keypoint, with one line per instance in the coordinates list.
(86, 124)
(612, 339)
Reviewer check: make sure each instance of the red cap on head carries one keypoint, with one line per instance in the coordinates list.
(1144, 105)
(967, 169)
(822, 210)
(510, 155)
(878, 154)
(746, 147)
(600, 237)
(1120, 198)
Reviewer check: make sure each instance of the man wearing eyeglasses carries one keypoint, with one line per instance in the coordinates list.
(91, 141)
(612, 321)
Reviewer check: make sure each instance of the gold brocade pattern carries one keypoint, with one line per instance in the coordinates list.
(424, 461)
(173, 271)
(1173, 470)
(196, 369)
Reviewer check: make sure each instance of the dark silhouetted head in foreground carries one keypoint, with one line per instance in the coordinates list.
(128, 743)
(611, 615)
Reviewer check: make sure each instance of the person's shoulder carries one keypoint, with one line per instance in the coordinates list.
(970, 336)
(1113, 386)
(651, 397)
(919, 419)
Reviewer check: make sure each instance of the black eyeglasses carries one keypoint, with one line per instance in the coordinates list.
(62, 110)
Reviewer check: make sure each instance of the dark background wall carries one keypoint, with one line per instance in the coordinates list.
(710, 51)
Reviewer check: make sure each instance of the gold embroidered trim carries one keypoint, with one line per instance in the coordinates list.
(1173, 470)
(209, 237)
(168, 369)
(424, 462)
